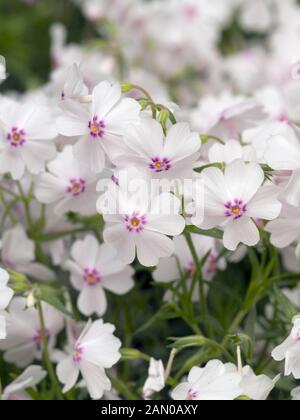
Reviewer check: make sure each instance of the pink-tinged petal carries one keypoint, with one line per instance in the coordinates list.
(38, 122)
(67, 373)
(107, 261)
(74, 119)
(37, 271)
(90, 152)
(243, 179)
(168, 225)
(91, 300)
(76, 271)
(105, 97)
(265, 205)
(145, 139)
(292, 192)
(181, 143)
(122, 241)
(35, 154)
(22, 355)
(180, 393)
(49, 189)
(85, 252)
(215, 184)
(124, 113)
(11, 162)
(282, 153)
(152, 246)
(17, 249)
(96, 380)
(167, 270)
(283, 232)
(238, 231)
(119, 283)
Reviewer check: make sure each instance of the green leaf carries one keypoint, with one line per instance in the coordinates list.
(212, 233)
(133, 354)
(48, 295)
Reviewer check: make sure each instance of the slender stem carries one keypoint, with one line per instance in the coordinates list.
(47, 360)
(26, 203)
(198, 273)
(170, 363)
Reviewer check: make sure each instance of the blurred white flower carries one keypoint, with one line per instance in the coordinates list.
(6, 295)
(95, 350)
(31, 377)
(156, 378)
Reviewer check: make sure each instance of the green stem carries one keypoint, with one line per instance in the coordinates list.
(47, 360)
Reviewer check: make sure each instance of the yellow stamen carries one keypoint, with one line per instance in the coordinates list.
(135, 222)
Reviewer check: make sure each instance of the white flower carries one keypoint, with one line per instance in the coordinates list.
(71, 80)
(159, 156)
(23, 342)
(249, 13)
(255, 387)
(95, 350)
(233, 198)
(285, 230)
(231, 151)
(289, 351)
(142, 226)
(168, 269)
(156, 378)
(26, 134)
(101, 127)
(212, 383)
(226, 116)
(94, 268)
(295, 394)
(31, 377)
(6, 295)
(18, 253)
(69, 184)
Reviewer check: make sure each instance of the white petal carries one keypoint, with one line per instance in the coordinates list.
(119, 283)
(67, 372)
(238, 231)
(96, 380)
(152, 246)
(91, 300)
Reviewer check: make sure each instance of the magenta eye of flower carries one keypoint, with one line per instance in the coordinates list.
(96, 127)
(16, 137)
(38, 337)
(192, 395)
(76, 187)
(235, 209)
(91, 277)
(77, 354)
(160, 165)
(135, 222)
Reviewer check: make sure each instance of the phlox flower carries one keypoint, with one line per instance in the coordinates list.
(289, 351)
(100, 126)
(23, 342)
(95, 350)
(234, 199)
(168, 270)
(156, 378)
(214, 382)
(231, 151)
(26, 138)
(158, 156)
(16, 390)
(95, 268)
(295, 394)
(226, 116)
(6, 295)
(140, 224)
(18, 253)
(257, 388)
(69, 185)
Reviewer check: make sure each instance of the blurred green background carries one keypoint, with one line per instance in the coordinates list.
(25, 40)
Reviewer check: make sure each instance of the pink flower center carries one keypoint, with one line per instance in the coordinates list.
(38, 337)
(77, 354)
(190, 268)
(235, 209)
(192, 395)
(135, 222)
(160, 165)
(91, 277)
(96, 127)
(76, 187)
(16, 137)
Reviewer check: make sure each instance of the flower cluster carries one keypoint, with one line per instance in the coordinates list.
(121, 210)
